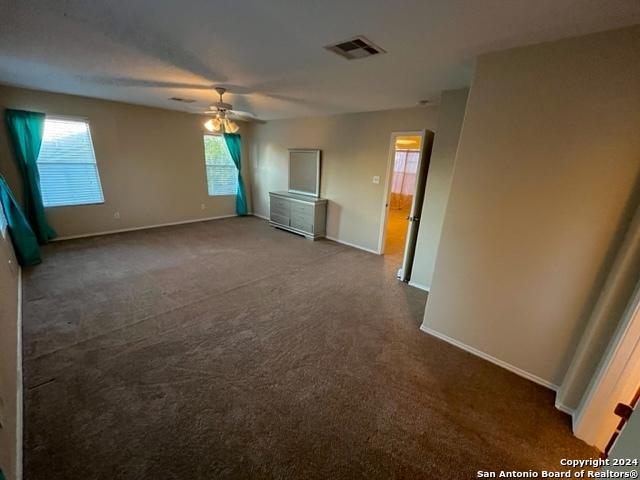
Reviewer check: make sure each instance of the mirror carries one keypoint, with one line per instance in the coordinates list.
(304, 171)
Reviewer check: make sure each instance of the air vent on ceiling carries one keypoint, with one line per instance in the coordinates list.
(357, 47)
(182, 100)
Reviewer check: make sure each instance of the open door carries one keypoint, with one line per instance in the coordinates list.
(614, 390)
(624, 455)
(409, 155)
(404, 274)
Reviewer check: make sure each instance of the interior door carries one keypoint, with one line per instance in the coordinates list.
(623, 411)
(624, 456)
(404, 273)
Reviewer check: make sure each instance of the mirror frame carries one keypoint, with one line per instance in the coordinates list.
(318, 160)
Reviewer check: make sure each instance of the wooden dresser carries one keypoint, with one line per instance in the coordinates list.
(301, 214)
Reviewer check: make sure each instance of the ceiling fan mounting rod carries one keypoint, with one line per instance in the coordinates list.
(221, 91)
(221, 122)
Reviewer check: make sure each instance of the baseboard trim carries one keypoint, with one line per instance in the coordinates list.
(333, 239)
(19, 383)
(418, 285)
(146, 227)
(564, 409)
(489, 358)
(353, 245)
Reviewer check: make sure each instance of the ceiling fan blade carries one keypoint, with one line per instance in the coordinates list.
(244, 116)
(144, 83)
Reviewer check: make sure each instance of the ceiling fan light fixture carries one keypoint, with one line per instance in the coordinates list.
(214, 124)
(209, 125)
(221, 123)
(230, 127)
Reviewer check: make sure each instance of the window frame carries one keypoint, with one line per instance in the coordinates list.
(206, 174)
(83, 119)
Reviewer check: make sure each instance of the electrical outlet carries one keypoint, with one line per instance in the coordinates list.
(116, 215)
(376, 179)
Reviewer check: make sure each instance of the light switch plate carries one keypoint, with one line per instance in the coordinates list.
(376, 179)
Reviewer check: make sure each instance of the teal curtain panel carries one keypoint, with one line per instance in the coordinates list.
(25, 133)
(234, 145)
(25, 243)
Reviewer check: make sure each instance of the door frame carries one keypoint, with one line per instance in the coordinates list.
(594, 420)
(384, 213)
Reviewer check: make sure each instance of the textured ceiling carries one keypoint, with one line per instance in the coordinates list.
(269, 52)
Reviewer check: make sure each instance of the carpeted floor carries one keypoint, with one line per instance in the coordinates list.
(228, 349)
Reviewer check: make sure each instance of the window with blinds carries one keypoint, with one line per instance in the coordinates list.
(222, 174)
(67, 164)
(3, 223)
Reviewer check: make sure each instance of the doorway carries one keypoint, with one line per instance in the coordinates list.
(406, 179)
(616, 383)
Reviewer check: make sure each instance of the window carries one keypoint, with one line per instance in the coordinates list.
(403, 182)
(67, 164)
(222, 174)
(3, 223)
(405, 170)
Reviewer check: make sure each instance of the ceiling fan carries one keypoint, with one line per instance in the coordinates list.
(222, 122)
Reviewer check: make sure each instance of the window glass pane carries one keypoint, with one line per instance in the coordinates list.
(3, 223)
(222, 174)
(67, 164)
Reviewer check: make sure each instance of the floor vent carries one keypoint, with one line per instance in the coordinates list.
(357, 47)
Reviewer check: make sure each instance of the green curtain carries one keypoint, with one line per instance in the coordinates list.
(25, 243)
(235, 146)
(25, 132)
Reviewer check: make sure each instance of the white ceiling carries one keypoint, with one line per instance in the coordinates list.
(269, 52)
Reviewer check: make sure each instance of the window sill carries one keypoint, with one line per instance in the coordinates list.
(74, 205)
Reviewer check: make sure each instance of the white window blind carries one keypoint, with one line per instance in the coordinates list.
(67, 164)
(222, 174)
(3, 223)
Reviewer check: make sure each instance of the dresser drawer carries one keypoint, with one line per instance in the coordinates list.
(298, 214)
(303, 209)
(302, 225)
(279, 219)
(280, 206)
(302, 212)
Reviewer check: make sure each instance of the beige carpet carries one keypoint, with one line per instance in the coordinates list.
(229, 349)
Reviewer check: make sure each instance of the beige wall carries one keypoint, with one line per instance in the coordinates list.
(10, 359)
(451, 113)
(604, 320)
(355, 148)
(548, 159)
(151, 163)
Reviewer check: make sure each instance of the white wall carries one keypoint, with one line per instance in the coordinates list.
(10, 360)
(355, 147)
(548, 160)
(450, 115)
(151, 163)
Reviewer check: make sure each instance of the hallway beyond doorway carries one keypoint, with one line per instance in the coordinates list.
(396, 232)
(406, 150)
